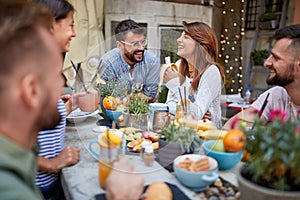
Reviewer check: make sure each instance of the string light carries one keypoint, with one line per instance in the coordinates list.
(230, 40)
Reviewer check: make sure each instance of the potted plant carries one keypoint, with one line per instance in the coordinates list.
(273, 167)
(116, 88)
(259, 56)
(137, 111)
(177, 139)
(269, 21)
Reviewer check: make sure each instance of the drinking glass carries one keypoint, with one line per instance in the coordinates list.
(87, 97)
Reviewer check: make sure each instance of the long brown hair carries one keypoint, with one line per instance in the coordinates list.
(206, 52)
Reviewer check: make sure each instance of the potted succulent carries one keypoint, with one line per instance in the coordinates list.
(273, 167)
(269, 21)
(176, 139)
(259, 56)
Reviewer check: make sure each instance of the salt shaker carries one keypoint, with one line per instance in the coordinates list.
(148, 155)
(144, 144)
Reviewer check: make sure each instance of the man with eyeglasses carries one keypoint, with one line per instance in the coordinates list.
(132, 60)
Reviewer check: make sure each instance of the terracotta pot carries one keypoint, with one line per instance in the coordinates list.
(250, 191)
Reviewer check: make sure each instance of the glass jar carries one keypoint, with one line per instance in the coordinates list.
(144, 144)
(149, 156)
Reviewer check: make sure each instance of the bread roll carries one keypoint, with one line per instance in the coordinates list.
(159, 191)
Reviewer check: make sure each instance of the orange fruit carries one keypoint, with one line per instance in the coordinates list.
(246, 156)
(110, 103)
(234, 140)
(115, 137)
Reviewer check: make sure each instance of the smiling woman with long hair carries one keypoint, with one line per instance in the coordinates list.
(199, 72)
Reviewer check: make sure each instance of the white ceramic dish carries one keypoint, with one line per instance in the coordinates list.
(79, 116)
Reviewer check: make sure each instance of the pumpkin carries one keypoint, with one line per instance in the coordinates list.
(110, 103)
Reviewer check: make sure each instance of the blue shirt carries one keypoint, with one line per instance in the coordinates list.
(145, 72)
(51, 144)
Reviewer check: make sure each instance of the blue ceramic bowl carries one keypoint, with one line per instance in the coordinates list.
(196, 181)
(226, 160)
(113, 114)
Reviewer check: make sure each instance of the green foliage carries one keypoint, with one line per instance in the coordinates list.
(275, 152)
(179, 133)
(162, 97)
(137, 105)
(114, 87)
(268, 17)
(259, 55)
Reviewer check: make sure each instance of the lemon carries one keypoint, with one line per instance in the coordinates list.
(115, 137)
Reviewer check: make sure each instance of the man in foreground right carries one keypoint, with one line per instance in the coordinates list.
(284, 66)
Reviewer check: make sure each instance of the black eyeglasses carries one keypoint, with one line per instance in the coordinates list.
(136, 44)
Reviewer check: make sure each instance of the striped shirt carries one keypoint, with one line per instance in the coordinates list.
(51, 144)
(145, 72)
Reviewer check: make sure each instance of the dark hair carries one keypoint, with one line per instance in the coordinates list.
(206, 51)
(291, 32)
(20, 37)
(59, 8)
(125, 26)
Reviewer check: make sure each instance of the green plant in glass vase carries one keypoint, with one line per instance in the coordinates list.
(275, 153)
(137, 104)
(175, 132)
(137, 111)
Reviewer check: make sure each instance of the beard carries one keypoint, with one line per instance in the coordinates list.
(49, 119)
(131, 57)
(282, 80)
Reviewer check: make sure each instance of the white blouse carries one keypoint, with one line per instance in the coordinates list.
(206, 98)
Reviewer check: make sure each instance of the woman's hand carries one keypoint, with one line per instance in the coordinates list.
(170, 74)
(207, 116)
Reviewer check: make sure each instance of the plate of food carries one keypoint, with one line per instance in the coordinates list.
(136, 145)
(77, 115)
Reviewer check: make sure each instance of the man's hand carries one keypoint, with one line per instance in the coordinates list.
(118, 185)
